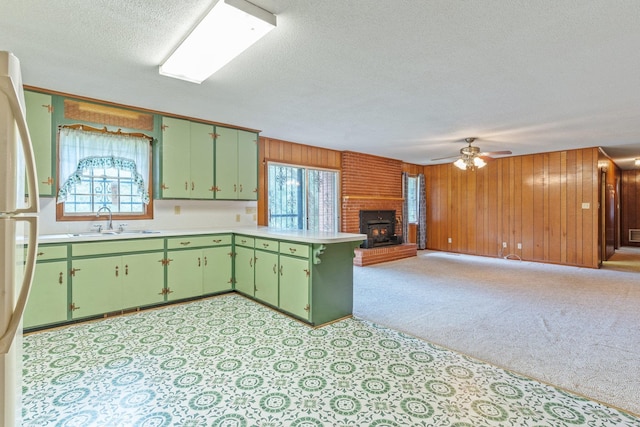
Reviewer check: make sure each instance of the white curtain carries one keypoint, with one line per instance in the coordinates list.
(79, 149)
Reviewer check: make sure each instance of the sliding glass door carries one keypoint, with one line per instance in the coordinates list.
(302, 198)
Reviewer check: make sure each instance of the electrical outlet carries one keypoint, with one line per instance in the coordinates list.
(449, 239)
(237, 217)
(504, 244)
(176, 210)
(519, 245)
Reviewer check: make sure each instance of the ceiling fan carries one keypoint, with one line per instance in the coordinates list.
(471, 157)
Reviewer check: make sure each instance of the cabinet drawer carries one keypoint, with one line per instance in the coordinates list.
(51, 252)
(267, 245)
(117, 247)
(198, 241)
(245, 241)
(295, 249)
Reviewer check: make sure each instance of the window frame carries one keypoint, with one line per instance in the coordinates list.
(415, 199)
(305, 169)
(62, 216)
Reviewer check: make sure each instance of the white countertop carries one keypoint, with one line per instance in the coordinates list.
(303, 236)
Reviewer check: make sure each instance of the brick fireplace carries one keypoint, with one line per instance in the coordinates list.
(371, 183)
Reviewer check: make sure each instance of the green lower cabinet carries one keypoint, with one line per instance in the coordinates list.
(266, 277)
(294, 286)
(184, 274)
(196, 272)
(47, 302)
(217, 273)
(143, 280)
(244, 270)
(96, 287)
(114, 283)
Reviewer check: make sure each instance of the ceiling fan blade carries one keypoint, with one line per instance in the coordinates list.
(496, 153)
(445, 158)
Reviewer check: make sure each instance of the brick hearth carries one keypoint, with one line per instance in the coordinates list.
(371, 256)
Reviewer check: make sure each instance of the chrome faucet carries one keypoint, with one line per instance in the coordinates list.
(109, 221)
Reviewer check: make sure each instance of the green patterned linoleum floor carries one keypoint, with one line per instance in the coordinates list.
(228, 361)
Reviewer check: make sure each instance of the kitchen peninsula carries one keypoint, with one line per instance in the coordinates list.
(306, 275)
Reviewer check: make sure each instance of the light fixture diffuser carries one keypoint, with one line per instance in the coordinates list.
(229, 28)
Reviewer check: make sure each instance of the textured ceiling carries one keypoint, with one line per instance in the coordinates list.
(402, 79)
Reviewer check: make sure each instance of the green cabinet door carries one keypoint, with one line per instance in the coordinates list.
(226, 163)
(143, 277)
(244, 270)
(294, 286)
(247, 165)
(236, 164)
(176, 155)
(201, 162)
(95, 286)
(187, 159)
(217, 274)
(266, 277)
(39, 110)
(48, 297)
(184, 274)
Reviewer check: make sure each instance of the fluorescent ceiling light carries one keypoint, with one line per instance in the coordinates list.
(229, 28)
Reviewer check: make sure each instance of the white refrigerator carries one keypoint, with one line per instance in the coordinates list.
(18, 233)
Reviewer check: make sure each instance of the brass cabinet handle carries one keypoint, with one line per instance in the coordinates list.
(116, 271)
(292, 250)
(126, 270)
(251, 262)
(205, 261)
(266, 245)
(60, 278)
(72, 307)
(306, 271)
(193, 186)
(241, 188)
(40, 254)
(49, 181)
(217, 240)
(235, 189)
(281, 270)
(274, 269)
(185, 243)
(307, 308)
(199, 262)
(164, 186)
(186, 185)
(73, 271)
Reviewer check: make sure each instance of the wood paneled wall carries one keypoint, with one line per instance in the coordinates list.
(609, 175)
(630, 205)
(275, 150)
(536, 201)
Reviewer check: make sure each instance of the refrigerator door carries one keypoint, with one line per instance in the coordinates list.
(15, 274)
(16, 151)
(18, 216)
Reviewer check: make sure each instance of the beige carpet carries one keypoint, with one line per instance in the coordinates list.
(624, 259)
(576, 328)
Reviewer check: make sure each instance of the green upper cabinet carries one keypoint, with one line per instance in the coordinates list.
(187, 159)
(236, 164)
(39, 110)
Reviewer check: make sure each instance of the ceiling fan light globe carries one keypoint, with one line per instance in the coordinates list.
(479, 162)
(460, 164)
